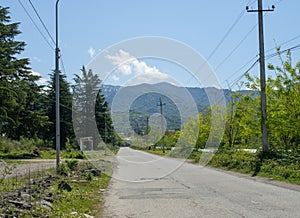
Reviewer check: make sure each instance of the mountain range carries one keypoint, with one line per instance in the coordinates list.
(143, 100)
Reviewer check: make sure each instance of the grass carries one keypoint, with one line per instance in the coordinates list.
(281, 166)
(51, 154)
(85, 197)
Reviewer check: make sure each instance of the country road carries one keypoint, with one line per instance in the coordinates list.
(142, 187)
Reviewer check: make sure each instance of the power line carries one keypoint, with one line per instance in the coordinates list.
(226, 34)
(236, 47)
(231, 84)
(36, 26)
(283, 51)
(284, 43)
(224, 37)
(240, 77)
(42, 22)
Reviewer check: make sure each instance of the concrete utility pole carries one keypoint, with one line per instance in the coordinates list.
(162, 123)
(57, 118)
(263, 99)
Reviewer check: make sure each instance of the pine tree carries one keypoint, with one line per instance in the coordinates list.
(19, 111)
(65, 99)
(90, 106)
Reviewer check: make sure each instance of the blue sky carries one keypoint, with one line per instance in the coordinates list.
(88, 27)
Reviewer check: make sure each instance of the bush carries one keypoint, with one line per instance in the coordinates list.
(88, 176)
(72, 164)
(63, 169)
(72, 154)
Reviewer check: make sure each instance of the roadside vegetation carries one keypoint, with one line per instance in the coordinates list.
(27, 108)
(242, 129)
(77, 191)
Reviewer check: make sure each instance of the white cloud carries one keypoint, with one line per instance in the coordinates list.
(115, 78)
(92, 52)
(128, 64)
(121, 58)
(41, 79)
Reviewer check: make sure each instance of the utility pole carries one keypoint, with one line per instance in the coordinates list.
(263, 99)
(57, 120)
(162, 123)
(105, 134)
(147, 130)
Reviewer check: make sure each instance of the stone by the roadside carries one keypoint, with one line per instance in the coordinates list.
(88, 216)
(46, 204)
(20, 204)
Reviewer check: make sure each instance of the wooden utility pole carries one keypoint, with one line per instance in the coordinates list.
(162, 124)
(263, 99)
(147, 129)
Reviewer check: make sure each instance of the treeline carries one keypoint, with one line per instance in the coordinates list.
(27, 109)
(243, 114)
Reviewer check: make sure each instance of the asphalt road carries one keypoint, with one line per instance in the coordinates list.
(142, 186)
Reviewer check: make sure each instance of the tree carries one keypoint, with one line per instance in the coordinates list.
(19, 110)
(90, 108)
(65, 100)
(242, 124)
(283, 101)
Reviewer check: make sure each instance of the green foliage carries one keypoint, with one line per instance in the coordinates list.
(72, 164)
(20, 113)
(72, 154)
(63, 169)
(24, 148)
(89, 176)
(282, 164)
(84, 198)
(86, 110)
(234, 160)
(48, 154)
(283, 100)
(65, 99)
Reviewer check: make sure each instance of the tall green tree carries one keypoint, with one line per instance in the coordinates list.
(20, 114)
(90, 108)
(242, 121)
(283, 103)
(65, 100)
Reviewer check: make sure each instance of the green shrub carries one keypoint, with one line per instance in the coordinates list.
(63, 169)
(72, 154)
(72, 164)
(88, 176)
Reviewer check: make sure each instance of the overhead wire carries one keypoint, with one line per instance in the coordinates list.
(46, 29)
(250, 2)
(284, 43)
(296, 47)
(36, 26)
(236, 21)
(236, 47)
(42, 22)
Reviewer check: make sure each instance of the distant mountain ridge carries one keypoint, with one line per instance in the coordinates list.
(147, 97)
